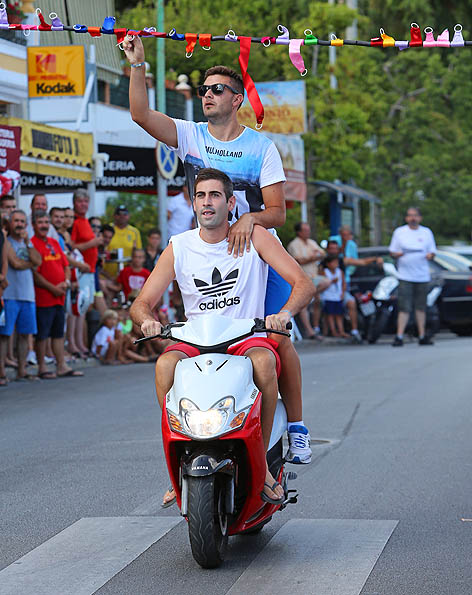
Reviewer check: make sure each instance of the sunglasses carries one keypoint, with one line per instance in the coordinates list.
(51, 249)
(96, 226)
(216, 89)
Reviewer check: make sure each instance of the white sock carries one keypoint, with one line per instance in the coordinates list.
(294, 423)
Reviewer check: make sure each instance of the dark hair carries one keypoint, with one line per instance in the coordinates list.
(107, 227)
(39, 215)
(209, 173)
(153, 231)
(329, 258)
(332, 242)
(298, 226)
(90, 219)
(413, 208)
(34, 198)
(230, 73)
(134, 250)
(7, 197)
(52, 209)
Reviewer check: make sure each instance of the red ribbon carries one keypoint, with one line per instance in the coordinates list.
(376, 42)
(120, 35)
(252, 94)
(43, 26)
(191, 39)
(416, 39)
(204, 40)
(95, 31)
(271, 39)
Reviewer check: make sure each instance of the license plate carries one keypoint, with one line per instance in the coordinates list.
(368, 308)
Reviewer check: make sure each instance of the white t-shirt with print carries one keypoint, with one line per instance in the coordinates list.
(415, 245)
(181, 217)
(251, 161)
(103, 337)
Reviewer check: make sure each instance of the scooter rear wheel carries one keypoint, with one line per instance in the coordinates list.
(207, 520)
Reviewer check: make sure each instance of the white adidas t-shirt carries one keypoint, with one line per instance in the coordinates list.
(415, 245)
(213, 281)
(251, 161)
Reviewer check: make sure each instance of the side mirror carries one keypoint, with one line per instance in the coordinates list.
(389, 269)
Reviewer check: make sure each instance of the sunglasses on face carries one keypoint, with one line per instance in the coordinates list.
(96, 226)
(216, 89)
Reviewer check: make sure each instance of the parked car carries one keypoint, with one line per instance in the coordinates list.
(464, 251)
(451, 271)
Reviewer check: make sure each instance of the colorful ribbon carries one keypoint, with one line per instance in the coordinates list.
(415, 33)
(204, 39)
(252, 94)
(284, 38)
(458, 40)
(109, 25)
(295, 55)
(310, 39)
(191, 39)
(443, 40)
(4, 24)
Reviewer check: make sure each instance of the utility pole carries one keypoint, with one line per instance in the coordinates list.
(161, 107)
(351, 32)
(333, 81)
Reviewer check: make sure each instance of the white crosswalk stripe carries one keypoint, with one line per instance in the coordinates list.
(319, 557)
(83, 557)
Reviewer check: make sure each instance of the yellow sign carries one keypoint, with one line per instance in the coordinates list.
(54, 151)
(55, 71)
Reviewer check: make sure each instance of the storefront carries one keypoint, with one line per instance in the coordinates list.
(52, 159)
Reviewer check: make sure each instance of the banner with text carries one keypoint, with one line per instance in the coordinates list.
(55, 71)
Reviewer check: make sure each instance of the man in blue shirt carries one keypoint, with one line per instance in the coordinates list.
(348, 252)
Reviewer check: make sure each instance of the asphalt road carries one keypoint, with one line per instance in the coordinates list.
(384, 509)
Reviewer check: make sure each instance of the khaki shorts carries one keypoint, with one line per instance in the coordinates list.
(412, 296)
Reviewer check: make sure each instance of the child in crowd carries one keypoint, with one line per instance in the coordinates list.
(333, 296)
(133, 276)
(106, 343)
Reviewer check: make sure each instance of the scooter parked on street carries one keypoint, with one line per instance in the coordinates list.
(212, 437)
(384, 297)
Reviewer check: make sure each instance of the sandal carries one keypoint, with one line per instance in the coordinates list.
(172, 500)
(3, 381)
(267, 498)
(47, 376)
(73, 373)
(25, 378)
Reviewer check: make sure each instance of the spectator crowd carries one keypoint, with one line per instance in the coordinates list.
(67, 281)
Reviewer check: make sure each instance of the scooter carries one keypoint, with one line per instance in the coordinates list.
(384, 297)
(212, 437)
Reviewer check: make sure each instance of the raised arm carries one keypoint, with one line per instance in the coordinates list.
(156, 124)
(141, 311)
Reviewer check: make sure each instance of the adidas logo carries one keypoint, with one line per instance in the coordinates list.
(218, 286)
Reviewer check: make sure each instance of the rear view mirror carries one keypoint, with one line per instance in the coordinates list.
(389, 269)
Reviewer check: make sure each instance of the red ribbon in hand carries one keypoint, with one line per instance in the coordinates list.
(252, 94)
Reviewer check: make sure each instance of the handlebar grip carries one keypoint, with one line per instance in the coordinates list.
(289, 326)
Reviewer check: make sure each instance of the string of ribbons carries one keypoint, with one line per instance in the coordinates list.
(205, 40)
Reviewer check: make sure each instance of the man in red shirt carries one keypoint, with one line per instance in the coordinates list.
(51, 281)
(84, 239)
(132, 277)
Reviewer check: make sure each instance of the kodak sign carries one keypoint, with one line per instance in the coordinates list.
(55, 71)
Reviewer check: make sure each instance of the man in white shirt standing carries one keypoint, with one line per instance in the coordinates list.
(180, 215)
(413, 245)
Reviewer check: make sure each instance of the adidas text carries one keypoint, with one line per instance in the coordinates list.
(217, 304)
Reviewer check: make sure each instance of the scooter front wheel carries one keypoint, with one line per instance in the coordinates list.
(207, 520)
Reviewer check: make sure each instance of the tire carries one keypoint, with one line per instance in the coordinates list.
(377, 327)
(207, 520)
(462, 331)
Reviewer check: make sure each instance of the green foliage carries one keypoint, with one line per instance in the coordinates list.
(399, 123)
(142, 207)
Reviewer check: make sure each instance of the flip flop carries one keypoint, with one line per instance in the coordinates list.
(169, 502)
(73, 373)
(25, 378)
(267, 498)
(3, 381)
(47, 376)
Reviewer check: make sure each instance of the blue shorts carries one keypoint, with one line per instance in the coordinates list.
(50, 322)
(20, 314)
(277, 293)
(332, 307)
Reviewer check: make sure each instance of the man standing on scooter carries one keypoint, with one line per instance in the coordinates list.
(237, 285)
(253, 163)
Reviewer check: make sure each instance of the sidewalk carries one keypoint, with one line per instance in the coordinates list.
(75, 364)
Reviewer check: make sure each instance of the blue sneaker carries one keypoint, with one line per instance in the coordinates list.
(299, 451)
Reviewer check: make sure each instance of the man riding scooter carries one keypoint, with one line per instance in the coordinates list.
(211, 279)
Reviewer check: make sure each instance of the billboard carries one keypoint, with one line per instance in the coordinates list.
(284, 107)
(10, 148)
(56, 71)
(292, 151)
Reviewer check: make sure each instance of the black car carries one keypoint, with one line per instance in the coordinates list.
(452, 271)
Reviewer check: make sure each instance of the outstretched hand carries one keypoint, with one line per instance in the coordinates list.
(134, 49)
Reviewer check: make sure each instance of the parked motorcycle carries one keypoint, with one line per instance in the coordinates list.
(384, 297)
(212, 437)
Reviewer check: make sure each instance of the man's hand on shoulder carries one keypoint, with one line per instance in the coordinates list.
(239, 235)
(149, 328)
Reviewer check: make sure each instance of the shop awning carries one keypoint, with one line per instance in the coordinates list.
(48, 150)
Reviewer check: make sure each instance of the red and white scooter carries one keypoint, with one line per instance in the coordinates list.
(212, 437)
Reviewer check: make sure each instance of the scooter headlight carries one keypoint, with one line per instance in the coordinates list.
(205, 424)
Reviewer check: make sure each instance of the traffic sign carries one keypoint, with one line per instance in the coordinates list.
(167, 161)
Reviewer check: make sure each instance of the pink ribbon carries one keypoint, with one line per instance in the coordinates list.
(295, 55)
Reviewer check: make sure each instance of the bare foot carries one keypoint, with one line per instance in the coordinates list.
(11, 363)
(169, 498)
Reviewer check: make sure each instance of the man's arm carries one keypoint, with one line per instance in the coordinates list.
(34, 256)
(86, 245)
(275, 255)
(141, 311)
(362, 262)
(156, 124)
(16, 263)
(273, 215)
